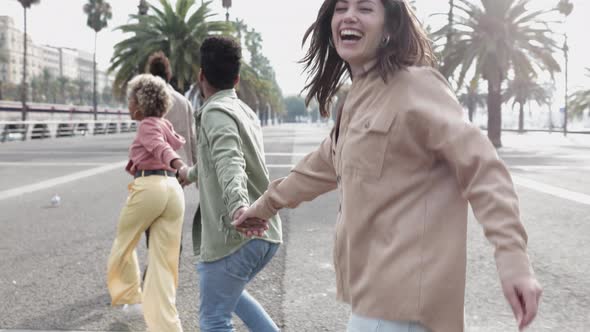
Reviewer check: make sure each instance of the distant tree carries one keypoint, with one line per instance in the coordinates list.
(107, 95)
(81, 86)
(472, 98)
(524, 88)
(580, 100)
(295, 106)
(3, 61)
(63, 84)
(99, 13)
(492, 38)
(36, 87)
(268, 92)
(47, 79)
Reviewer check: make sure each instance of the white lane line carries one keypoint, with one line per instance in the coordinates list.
(280, 166)
(285, 154)
(549, 167)
(61, 152)
(552, 190)
(43, 163)
(59, 180)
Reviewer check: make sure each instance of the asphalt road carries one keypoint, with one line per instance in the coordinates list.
(53, 259)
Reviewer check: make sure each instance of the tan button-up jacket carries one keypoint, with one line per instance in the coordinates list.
(406, 166)
(181, 117)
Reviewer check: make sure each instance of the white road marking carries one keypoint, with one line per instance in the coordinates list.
(60, 180)
(284, 154)
(54, 152)
(279, 166)
(549, 167)
(552, 190)
(43, 163)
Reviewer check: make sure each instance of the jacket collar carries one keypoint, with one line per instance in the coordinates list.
(228, 93)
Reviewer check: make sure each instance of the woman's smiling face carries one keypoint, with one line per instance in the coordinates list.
(357, 30)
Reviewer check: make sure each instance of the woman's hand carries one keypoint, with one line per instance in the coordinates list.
(249, 226)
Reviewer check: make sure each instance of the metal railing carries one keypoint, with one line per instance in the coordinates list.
(26, 130)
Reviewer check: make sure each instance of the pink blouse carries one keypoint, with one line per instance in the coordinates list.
(154, 145)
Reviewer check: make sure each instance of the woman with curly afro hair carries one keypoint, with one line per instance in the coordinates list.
(155, 201)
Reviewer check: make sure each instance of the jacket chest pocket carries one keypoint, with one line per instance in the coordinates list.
(365, 147)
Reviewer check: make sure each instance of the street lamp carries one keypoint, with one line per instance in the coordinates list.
(227, 5)
(565, 50)
(565, 7)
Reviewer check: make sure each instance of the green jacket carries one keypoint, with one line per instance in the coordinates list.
(231, 172)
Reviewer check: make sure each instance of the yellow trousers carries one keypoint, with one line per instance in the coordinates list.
(156, 202)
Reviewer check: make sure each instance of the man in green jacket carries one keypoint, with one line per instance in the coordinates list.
(231, 174)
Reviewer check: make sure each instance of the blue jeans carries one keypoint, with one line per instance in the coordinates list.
(364, 324)
(222, 289)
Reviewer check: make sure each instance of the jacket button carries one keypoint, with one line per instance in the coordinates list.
(367, 124)
(338, 179)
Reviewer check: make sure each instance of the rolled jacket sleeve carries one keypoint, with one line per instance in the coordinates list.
(311, 177)
(482, 176)
(227, 157)
(192, 139)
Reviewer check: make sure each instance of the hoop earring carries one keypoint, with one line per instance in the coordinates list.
(385, 41)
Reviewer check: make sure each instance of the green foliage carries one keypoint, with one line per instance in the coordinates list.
(295, 106)
(99, 13)
(525, 88)
(27, 3)
(493, 38)
(579, 101)
(497, 36)
(258, 86)
(176, 31)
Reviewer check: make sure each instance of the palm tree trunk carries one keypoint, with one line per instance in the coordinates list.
(495, 109)
(471, 110)
(94, 80)
(24, 83)
(521, 118)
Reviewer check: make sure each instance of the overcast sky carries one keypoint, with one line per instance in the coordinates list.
(282, 24)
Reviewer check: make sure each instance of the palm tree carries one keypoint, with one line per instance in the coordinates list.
(580, 100)
(36, 89)
(171, 30)
(46, 77)
(565, 8)
(268, 91)
(99, 13)
(523, 89)
(494, 38)
(3, 60)
(26, 5)
(472, 98)
(81, 86)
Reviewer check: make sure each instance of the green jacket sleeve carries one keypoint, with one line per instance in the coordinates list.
(225, 146)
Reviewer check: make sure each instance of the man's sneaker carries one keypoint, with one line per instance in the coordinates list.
(133, 311)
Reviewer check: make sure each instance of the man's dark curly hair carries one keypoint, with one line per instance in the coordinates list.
(220, 61)
(159, 65)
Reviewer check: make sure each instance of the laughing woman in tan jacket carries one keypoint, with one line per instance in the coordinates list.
(405, 165)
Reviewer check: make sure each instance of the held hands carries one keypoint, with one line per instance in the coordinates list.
(247, 224)
(183, 176)
(523, 295)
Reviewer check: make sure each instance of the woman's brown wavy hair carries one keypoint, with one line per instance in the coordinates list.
(408, 45)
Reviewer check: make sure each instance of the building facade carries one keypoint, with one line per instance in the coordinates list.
(59, 61)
